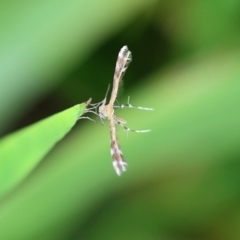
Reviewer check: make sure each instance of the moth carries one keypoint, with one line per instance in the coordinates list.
(106, 111)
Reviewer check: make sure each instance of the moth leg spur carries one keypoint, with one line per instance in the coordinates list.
(128, 105)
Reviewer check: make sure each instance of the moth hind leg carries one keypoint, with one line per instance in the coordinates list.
(127, 129)
(129, 105)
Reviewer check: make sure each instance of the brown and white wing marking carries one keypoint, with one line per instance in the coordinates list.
(119, 163)
(123, 60)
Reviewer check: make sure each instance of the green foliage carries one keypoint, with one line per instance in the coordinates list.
(182, 180)
(21, 151)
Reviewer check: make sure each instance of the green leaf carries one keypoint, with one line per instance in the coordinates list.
(21, 151)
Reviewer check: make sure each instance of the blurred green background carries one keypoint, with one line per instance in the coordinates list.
(183, 178)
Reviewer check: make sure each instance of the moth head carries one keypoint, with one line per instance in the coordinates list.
(102, 110)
